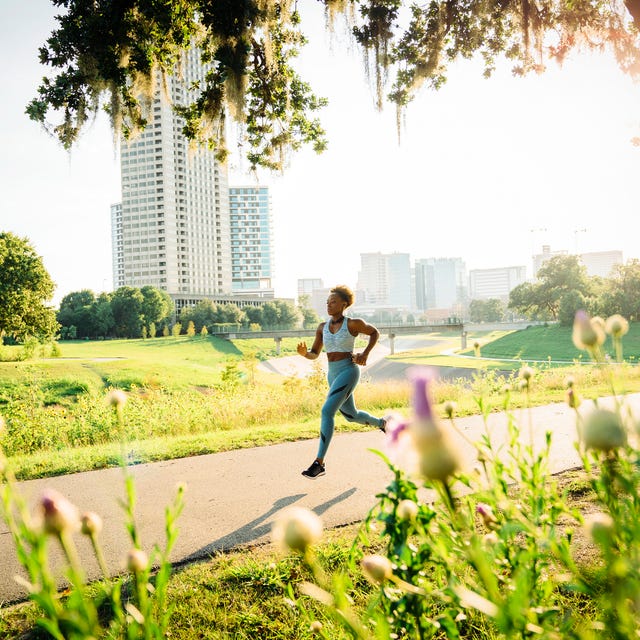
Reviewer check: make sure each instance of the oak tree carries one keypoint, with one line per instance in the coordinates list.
(107, 54)
(25, 289)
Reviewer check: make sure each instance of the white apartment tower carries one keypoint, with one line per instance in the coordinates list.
(172, 230)
(251, 240)
(385, 279)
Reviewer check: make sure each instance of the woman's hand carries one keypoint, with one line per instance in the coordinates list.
(359, 358)
(302, 349)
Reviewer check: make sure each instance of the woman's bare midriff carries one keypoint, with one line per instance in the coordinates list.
(334, 356)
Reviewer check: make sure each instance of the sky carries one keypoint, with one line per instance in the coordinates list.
(485, 170)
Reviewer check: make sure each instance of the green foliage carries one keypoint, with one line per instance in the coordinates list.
(491, 552)
(132, 606)
(25, 287)
(491, 310)
(106, 54)
(559, 277)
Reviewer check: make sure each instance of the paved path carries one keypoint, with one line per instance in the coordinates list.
(233, 498)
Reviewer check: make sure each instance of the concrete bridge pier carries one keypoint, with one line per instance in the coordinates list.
(391, 337)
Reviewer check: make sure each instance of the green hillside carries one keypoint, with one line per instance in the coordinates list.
(541, 343)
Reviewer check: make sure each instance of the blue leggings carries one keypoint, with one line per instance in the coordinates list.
(343, 376)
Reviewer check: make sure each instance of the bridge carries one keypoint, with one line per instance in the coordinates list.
(390, 331)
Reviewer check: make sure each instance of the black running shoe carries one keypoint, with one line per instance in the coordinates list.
(383, 426)
(316, 469)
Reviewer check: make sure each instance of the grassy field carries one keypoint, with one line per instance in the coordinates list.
(191, 396)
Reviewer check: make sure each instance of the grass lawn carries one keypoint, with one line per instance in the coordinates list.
(190, 396)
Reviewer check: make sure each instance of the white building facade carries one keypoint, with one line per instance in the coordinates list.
(174, 222)
(485, 284)
(251, 240)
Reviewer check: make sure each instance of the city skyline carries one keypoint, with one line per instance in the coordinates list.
(487, 170)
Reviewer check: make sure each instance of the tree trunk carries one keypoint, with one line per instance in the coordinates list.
(633, 6)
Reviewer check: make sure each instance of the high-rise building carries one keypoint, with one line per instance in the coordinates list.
(440, 283)
(601, 263)
(173, 226)
(251, 240)
(306, 286)
(540, 258)
(385, 280)
(495, 283)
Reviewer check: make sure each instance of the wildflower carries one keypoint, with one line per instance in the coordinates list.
(376, 568)
(603, 430)
(616, 326)
(449, 408)
(137, 560)
(3, 425)
(526, 373)
(315, 626)
(599, 526)
(297, 529)
(59, 515)
(486, 514)
(569, 382)
(588, 333)
(421, 401)
(117, 398)
(476, 349)
(438, 460)
(572, 398)
(407, 510)
(91, 524)
(490, 539)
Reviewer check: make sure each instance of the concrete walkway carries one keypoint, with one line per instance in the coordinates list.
(232, 499)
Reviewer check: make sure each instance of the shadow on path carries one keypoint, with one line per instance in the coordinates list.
(260, 527)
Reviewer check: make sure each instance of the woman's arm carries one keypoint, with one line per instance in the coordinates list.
(358, 326)
(314, 352)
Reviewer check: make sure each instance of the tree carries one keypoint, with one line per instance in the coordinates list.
(25, 287)
(203, 314)
(622, 293)
(126, 306)
(157, 305)
(557, 277)
(310, 318)
(77, 309)
(106, 53)
(491, 310)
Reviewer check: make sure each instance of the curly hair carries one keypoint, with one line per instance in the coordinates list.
(345, 293)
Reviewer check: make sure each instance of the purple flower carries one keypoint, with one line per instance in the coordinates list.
(421, 377)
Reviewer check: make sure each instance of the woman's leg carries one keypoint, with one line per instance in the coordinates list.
(343, 377)
(352, 414)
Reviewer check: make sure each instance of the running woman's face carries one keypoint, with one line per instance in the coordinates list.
(335, 305)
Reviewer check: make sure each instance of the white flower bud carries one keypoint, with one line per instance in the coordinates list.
(407, 510)
(297, 529)
(59, 515)
(117, 398)
(603, 430)
(599, 525)
(137, 560)
(616, 326)
(376, 568)
(91, 524)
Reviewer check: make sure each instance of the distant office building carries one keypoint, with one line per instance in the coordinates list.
(385, 280)
(306, 286)
(251, 240)
(540, 258)
(172, 229)
(440, 283)
(601, 263)
(117, 245)
(495, 283)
